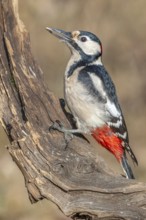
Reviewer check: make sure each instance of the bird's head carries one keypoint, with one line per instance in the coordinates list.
(83, 43)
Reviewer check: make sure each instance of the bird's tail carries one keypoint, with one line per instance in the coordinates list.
(127, 169)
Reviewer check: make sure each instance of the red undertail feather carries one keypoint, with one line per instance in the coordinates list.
(106, 137)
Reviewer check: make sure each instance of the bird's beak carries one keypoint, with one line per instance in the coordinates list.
(63, 35)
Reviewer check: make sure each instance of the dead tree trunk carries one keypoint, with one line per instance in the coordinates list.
(72, 176)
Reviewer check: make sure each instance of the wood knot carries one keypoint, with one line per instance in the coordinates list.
(59, 167)
(85, 167)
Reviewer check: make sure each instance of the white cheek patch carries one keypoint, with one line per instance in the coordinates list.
(89, 47)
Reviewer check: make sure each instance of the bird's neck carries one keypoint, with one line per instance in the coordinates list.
(97, 61)
(76, 61)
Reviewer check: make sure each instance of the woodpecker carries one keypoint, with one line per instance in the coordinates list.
(90, 95)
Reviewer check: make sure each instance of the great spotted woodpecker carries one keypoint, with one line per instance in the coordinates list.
(91, 96)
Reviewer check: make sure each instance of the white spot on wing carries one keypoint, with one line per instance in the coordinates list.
(109, 106)
(124, 135)
(98, 84)
(112, 109)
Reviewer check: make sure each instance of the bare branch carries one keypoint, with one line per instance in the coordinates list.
(73, 176)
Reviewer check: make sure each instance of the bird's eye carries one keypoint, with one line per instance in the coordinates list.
(83, 39)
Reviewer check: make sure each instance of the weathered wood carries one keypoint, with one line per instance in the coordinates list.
(73, 176)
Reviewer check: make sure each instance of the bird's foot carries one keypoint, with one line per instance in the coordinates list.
(57, 125)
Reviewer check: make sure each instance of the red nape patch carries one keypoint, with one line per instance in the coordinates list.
(106, 137)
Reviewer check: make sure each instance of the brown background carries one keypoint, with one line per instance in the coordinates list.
(121, 26)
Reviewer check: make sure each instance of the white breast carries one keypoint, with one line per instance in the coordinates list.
(85, 108)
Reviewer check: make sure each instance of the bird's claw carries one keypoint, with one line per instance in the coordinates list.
(57, 125)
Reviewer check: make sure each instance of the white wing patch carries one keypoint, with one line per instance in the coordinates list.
(112, 109)
(98, 84)
(123, 136)
(109, 106)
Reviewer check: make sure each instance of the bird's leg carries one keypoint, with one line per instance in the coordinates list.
(68, 133)
(59, 127)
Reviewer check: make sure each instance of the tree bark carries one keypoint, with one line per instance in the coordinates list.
(71, 175)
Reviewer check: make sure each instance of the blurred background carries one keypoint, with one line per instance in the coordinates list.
(121, 26)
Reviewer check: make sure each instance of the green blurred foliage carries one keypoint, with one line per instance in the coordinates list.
(121, 27)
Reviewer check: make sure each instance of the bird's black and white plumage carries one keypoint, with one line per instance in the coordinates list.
(91, 96)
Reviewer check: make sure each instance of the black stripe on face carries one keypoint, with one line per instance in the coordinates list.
(87, 58)
(85, 79)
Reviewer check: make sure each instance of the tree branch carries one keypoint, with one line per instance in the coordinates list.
(76, 179)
